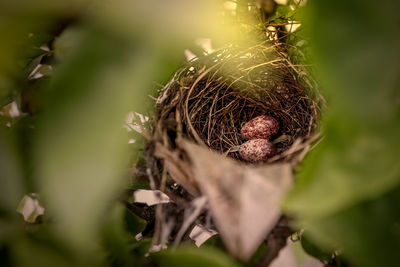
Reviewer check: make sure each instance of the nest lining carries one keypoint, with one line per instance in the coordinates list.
(210, 99)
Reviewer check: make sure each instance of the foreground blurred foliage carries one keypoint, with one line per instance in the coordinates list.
(348, 190)
(100, 59)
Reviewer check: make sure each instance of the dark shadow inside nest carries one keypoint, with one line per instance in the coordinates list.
(216, 96)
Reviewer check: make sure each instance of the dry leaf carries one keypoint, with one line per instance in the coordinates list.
(244, 199)
(30, 208)
(201, 234)
(179, 170)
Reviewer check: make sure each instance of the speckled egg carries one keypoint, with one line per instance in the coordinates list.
(257, 150)
(261, 127)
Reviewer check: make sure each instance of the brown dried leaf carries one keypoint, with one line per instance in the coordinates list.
(179, 170)
(244, 199)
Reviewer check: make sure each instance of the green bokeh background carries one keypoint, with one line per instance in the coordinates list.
(73, 152)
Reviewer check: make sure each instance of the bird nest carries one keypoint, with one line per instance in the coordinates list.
(206, 103)
(211, 98)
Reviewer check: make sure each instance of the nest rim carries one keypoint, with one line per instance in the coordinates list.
(208, 92)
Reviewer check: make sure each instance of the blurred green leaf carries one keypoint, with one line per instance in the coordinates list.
(11, 189)
(117, 240)
(33, 63)
(195, 257)
(368, 233)
(9, 229)
(346, 169)
(8, 92)
(340, 193)
(81, 148)
(23, 130)
(134, 224)
(22, 35)
(282, 10)
(362, 121)
(38, 39)
(311, 249)
(141, 248)
(214, 241)
(360, 150)
(67, 42)
(28, 252)
(72, 146)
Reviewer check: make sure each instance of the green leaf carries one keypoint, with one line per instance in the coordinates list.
(311, 249)
(195, 257)
(40, 38)
(342, 191)
(29, 252)
(362, 122)
(342, 171)
(117, 240)
(24, 130)
(32, 64)
(134, 224)
(283, 11)
(368, 233)
(359, 157)
(11, 189)
(8, 92)
(81, 148)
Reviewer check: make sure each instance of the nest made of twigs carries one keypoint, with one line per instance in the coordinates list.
(207, 102)
(210, 99)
